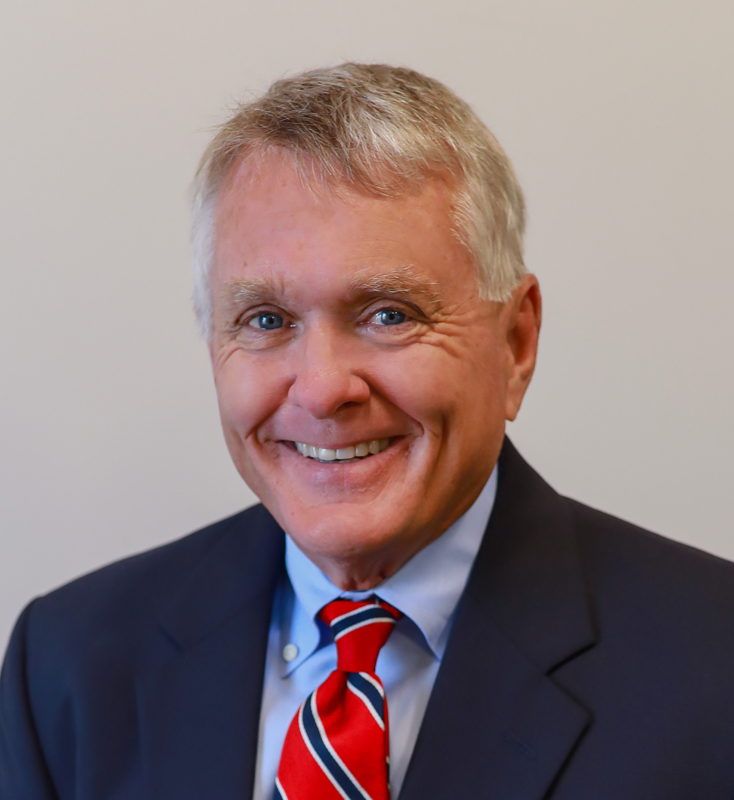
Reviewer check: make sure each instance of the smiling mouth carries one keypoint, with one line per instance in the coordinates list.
(354, 452)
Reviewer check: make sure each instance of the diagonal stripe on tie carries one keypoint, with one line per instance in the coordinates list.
(328, 758)
(354, 612)
(369, 694)
(349, 622)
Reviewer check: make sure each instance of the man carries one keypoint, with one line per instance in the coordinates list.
(371, 325)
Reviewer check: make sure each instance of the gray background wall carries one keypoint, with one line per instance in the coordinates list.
(619, 118)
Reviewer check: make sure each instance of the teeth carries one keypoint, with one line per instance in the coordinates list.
(360, 450)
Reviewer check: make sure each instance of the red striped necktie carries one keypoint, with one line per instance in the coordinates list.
(337, 746)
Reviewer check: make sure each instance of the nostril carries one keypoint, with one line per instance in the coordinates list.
(323, 395)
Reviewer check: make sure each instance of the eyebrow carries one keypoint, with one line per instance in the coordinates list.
(405, 281)
(248, 291)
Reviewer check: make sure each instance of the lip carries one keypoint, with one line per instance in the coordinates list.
(353, 474)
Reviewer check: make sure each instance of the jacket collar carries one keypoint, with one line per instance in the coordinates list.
(497, 724)
(240, 568)
(528, 576)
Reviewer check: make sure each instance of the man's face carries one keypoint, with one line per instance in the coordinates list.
(342, 320)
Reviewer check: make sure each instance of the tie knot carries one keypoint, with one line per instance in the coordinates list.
(360, 629)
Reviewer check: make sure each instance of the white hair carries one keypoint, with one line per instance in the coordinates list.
(386, 130)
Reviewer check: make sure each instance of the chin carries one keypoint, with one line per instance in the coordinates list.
(342, 533)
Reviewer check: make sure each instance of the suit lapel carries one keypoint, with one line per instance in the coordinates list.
(497, 725)
(199, 704)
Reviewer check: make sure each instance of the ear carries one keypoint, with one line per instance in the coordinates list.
(522, 316)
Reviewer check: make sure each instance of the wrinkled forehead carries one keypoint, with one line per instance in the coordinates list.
(278, 235)
(272, 197)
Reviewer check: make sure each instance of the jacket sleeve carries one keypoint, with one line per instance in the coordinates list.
(23, 771)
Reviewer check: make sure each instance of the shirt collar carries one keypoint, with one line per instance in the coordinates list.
(426, 589)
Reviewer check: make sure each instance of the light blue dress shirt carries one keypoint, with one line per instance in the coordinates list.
(301, 654)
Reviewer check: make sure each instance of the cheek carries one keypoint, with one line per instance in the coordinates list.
(247, 393)
(452, 396)
(425, 384)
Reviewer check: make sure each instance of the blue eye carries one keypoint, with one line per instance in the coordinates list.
(391, 316)
(267, 322)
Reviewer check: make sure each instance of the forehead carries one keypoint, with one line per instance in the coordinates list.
(270, 223)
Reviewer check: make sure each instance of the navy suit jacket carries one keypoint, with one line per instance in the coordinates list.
(588, 660)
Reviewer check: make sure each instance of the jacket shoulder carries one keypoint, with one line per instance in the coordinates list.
(131, 592)
(648, 576)
(79, 655)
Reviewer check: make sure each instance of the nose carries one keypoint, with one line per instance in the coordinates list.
(326, 377)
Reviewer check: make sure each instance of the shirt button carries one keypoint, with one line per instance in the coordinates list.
(290, 651)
